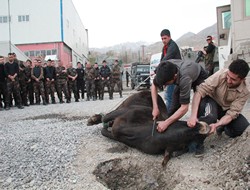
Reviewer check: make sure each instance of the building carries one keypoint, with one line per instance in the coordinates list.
(46, 29)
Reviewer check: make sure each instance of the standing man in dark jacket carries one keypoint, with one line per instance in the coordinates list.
(170, 50)
(30, 88)
(97, 81)
(72, 75)
(105, 73)
(2, 83)
(38, 83)
(50, 79)
(80, 83)
(209, 51)
(11, 69)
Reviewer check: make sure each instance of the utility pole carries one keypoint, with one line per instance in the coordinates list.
(143, 58)
(9, 26)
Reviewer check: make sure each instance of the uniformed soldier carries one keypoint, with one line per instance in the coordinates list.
(23, 84)
(11, 69)
(116, 78)
(80, 80)
(38, 83)
(72, 75)
(30, 88)
(105, 74)
(97, 81)
(90, 81)
(2, 84)
(50, 79)
(61, 81)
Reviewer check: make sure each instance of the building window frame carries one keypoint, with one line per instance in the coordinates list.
(23, 18)
(247, 8)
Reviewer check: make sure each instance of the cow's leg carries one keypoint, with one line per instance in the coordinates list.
(95, 119)
(166, 158)
(112, 115)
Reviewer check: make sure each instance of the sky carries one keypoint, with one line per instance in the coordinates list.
(111, 22)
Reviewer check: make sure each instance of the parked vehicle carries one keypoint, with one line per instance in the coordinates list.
(154, 62)
(140, 75)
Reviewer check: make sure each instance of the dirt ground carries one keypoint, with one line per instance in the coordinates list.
(225, 165)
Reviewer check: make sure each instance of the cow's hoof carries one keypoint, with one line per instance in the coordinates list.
(205, 128)
(95, 119)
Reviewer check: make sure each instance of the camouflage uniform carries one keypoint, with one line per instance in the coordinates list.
(23, 84)
(61, 83)
(29, 83)
(90, 82)
(50, 79)
(97, 83)
(105, 74)
(116, 79)
(12, 85)
(72, 83)
(209, 58)
(38, 84)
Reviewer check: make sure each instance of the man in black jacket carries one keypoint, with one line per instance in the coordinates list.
(2, 83)
(11, 69)
(50, 77)
(105, 74)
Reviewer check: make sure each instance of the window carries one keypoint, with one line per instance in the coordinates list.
(38, 53)
(4, 19)
(32, 53)
(23, 18)
(226, 20)
(43, 52)
(26, 53)
(54, 52)
(48, 52)
(247, 7)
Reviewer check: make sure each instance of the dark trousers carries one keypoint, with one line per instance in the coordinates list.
(80, 84)
(210, 111)
(2, 93)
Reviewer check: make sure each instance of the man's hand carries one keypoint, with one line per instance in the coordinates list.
(191, 122)
(155, 113)
(162, 126)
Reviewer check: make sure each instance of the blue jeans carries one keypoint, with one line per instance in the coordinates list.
(169, 96)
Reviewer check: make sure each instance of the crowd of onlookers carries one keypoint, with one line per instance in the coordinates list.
(38, 82)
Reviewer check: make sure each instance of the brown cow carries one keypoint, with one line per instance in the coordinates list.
(132, 124)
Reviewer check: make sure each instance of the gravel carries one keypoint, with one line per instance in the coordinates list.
(51, 147)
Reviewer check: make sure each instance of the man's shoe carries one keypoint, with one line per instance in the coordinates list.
(7, 108)
(199, 151)
(220, 130)
(20, 107)
(44, 103)
(68, 101)
(76, 100)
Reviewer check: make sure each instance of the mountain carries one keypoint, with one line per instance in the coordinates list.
(129, 51)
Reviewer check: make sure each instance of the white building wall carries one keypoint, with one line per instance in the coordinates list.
(43, 25)
(75, 35)
(49, 21)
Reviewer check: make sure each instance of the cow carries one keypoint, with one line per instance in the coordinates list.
(131, 123)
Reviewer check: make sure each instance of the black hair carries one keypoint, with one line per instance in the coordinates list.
(165, 32)
(239, 67)
(165, 72)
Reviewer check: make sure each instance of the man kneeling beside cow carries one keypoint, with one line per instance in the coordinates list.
(132, 123)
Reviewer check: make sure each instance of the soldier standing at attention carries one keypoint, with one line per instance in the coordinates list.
(61, 81)
(105, 79)
(80, 83)
(37, 76)
(90, 81)
(50, 78)
(11, 69)
(116, 79)
(2, 83)
(72, 75)
(209, 51)
(30, 88)
(23, 84)
(97, 81)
